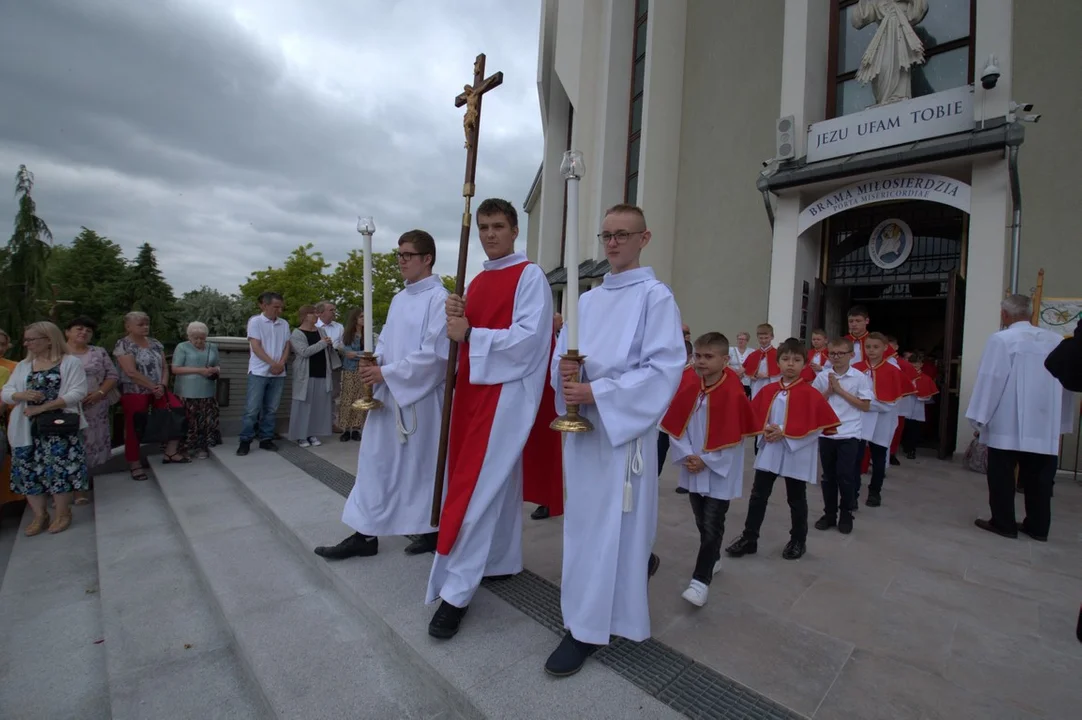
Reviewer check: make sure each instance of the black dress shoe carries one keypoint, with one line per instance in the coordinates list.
(742, 546)
(652, 565)
(894, 460)
(244, 447)
(344, 437)
(444, 624)
(541, 513)
(498, 578)
(356, 545)
(987, 525)
(681, 491)
(356, 435)
(873, 500)
(1038, 538)
(794, 550)
(845, 525)
(267, 445)
(826, 522)
(910, 454)
(423, 543)
(569, 657)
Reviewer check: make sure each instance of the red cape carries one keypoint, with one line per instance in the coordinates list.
(860, 341)
(888, 382)
(806, 412)
(819, 357)
(751, 363)
(542, 458)
(926, 387)
(729, 418)
(473, 410)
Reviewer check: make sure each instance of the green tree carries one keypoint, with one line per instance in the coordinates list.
(88, 274)
(23, 262)
(223, 314)
(143, 287)
(300, 281)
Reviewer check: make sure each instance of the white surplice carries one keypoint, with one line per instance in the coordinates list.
(796, 458)
(490, 539)
(723, 477)
(1016, 403)
(396, 463)
(758, 384)
(630, 334)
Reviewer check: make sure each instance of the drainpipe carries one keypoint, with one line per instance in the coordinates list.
(763, 185)
(1015, 135)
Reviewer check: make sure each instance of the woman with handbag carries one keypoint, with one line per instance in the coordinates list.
(101, 393)
(313, 360)
(144, 379)
(47, 455)
(195, 365)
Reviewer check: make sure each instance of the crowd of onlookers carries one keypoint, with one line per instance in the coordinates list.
(57, 404)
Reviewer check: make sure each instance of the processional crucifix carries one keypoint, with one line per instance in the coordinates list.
(471, 123)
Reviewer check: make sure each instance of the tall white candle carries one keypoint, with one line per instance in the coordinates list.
(572, 169)
(368, 292)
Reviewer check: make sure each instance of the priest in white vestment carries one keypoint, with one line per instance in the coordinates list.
(396, 462)
(630, 335)
(1020, 411)
(504, 325)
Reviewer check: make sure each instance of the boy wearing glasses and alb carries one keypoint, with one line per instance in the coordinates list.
(849, 393)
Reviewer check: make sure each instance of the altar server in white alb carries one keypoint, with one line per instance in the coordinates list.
(1020, 410)
(504, 326)
(396, 462)
(631, 337)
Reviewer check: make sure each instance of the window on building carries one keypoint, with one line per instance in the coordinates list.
(638, 82)
(947, 33)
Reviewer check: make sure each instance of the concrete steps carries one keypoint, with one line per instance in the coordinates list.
(493, 668)
(52, 658)
(168, 651)
(307, 650)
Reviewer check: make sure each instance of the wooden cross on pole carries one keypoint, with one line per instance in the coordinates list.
(471, 124)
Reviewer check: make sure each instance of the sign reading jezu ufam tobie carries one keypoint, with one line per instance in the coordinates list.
(942, 113)
(906, 186)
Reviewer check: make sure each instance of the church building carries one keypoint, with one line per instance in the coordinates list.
(795, 158)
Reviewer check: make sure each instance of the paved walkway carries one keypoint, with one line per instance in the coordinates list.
(917, 614)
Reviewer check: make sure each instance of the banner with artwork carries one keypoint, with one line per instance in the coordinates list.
(1060, 315)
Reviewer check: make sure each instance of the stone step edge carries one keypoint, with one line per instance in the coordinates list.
(177, 530)
(456, 698)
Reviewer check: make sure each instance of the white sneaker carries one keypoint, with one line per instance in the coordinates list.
(314, 442)
(717, 567)
(302, 443)
(696, 593)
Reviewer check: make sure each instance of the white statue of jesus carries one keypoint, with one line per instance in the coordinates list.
(894, 49)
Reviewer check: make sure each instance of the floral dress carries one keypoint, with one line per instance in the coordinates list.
(49, 465)
(99, 367)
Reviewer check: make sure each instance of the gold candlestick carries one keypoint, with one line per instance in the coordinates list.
(366, 401)
(571, 421)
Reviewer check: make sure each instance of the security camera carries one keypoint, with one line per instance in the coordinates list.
(1030, 118)
(990, 74)
(768, 161)
(1024, 107)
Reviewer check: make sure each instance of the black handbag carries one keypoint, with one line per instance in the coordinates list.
(161, 424)
(54, 423)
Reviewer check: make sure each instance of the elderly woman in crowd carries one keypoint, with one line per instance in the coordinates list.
(351, 421)
(144, 379)
(6, 366)
(313, 360)
(195, 365)
(47, 454)
(101, 380)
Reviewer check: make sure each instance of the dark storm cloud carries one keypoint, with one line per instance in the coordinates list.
(228, 134)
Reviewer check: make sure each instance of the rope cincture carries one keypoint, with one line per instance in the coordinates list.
(633, 467)
(400, 423)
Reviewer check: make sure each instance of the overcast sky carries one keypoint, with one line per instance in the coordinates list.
(228, 132)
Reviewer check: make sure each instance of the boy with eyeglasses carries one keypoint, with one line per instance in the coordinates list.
(849, 394)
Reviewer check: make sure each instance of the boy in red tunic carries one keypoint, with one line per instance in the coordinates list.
(761, 364)
(818, 358)
(926, 392)
(708, 420)
(692, 377)
(858, 320)
(542, 458)
(888, 386)
(791, 415)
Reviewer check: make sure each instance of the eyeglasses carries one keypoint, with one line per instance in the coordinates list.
(620, 236)
(839, 353)
(407, 256)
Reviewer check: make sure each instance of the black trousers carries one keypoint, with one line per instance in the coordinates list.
(1037, 474)
(662, 450)
(796, 492)
(841, 474)
(911, 435)
(879, 467)
(710, 519)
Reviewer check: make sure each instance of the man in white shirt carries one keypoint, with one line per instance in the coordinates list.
(268, 336)
(1019, 410)
(327, 311)
(737, 357)
(849, 393)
